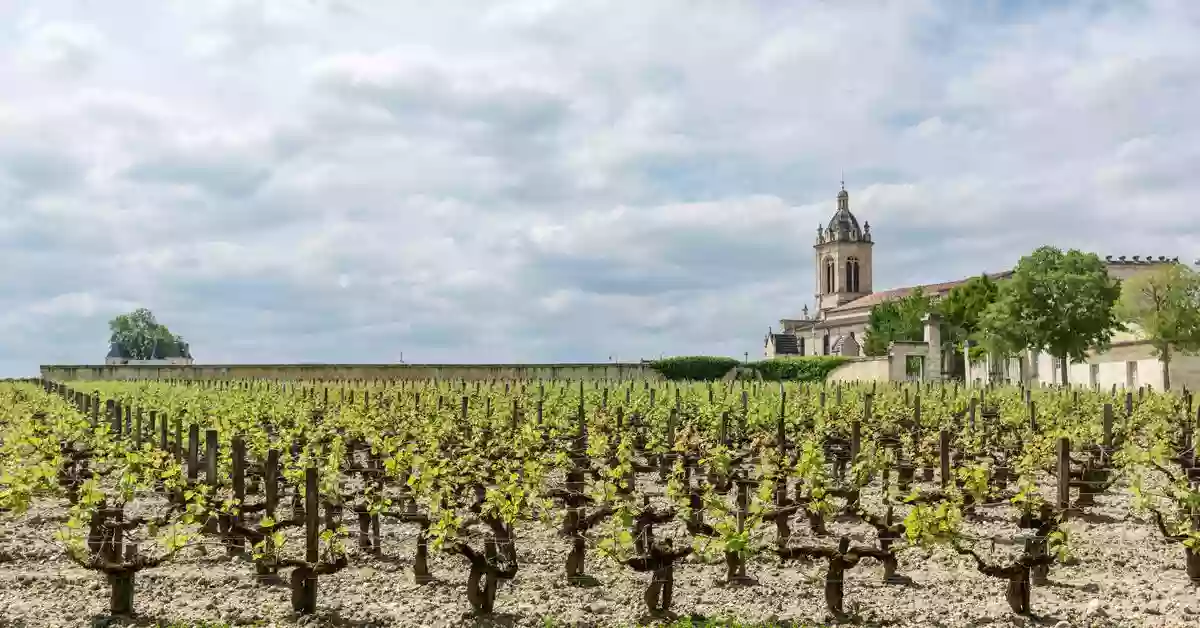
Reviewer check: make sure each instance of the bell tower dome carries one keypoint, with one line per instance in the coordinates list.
(843, 257)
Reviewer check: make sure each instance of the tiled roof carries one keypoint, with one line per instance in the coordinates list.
(933, 289)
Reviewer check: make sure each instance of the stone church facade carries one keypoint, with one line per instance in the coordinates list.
(845, 293)
(843, 257)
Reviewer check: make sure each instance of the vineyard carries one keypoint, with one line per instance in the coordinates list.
(401, 503)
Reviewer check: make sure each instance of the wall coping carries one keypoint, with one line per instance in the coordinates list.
(351, 365)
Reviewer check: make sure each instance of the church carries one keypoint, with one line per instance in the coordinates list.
(845, 293)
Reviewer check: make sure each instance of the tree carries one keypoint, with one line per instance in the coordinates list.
(963, 311)
(138, 332)
(1165, 307)
(896, 320)
(1060, 303)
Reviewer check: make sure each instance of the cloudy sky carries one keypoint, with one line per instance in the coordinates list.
(558, 180)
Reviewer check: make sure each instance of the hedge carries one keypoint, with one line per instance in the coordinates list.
(810, 368)
(813, 368)
(694, 367)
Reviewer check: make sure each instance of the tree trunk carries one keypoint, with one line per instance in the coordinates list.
(816, 523)
(421, 573)
(120, 601)
(667, 575)
(1017, 592)
(1166, 364)
(304, 591)
(835, 590)
(364, 530)
(475, 590)
(735, 570)
(652, 593)
(1040, 574)
(1193, 564)
(1065, 364)
(904, 476)
(575, 560)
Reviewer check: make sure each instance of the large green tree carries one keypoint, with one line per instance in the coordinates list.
(896, 320)
(138, 331)
(1056, 302)
(963, 307)
(1165, 307)
(962, 312)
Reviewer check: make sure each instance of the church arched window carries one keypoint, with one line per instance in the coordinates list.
(830, 276)
(852, 274)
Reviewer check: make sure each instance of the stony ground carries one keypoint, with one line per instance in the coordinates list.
(1125, 575)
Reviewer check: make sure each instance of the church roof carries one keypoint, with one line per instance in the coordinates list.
(843, 226)
(938, 289)
(844, 222)
(932, 289)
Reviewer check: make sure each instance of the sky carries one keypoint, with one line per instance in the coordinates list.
(354, 181)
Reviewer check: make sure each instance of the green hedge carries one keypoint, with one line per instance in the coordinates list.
(694, 367)
(812, 368)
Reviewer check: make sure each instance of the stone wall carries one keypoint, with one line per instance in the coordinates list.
(1125, 365)
(451, 372)
(862, 370)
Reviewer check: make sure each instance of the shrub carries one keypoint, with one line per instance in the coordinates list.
(811, 368)
(694, 367)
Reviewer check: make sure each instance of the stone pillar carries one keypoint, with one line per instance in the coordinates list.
(933, 338)
(896, 364)
(967, 363)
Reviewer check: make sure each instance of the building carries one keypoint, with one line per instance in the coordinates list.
(843, 257)
(163, 353)
(844, 293)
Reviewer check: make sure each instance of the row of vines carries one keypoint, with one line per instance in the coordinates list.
(302, 477)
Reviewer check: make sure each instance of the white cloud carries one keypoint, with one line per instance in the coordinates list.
(549, 180)
(59, 48)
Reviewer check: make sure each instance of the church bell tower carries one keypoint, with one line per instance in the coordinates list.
(843, 257)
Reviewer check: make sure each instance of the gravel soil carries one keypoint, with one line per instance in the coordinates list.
(1123, 575)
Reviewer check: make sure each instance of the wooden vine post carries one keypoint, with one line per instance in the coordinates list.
(1064, 475)
(304, 578)
(944, 455)
(210, 476)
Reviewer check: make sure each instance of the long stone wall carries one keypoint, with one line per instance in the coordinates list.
(451, 372)
(864, 369)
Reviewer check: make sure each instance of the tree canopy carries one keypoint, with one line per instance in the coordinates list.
(896, 320)
(1165, 307)
(138, 332)
(1060, 303)
(963, 308)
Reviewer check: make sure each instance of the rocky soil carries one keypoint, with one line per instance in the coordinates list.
(1123, 575)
